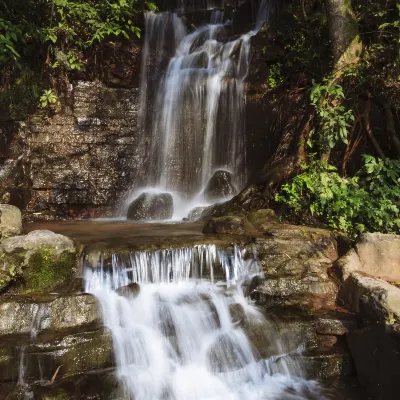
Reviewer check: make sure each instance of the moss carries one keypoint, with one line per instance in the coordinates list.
(46, 271)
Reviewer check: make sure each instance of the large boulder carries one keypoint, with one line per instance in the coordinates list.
(295, 262)
(375, 299)
(219, 186)
(375, 254)
(226, 225)
(21, 316)
(150, 206)
(380, 255)
(10, 221)
(43, 259)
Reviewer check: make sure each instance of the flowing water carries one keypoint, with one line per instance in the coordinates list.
(177, 339)
(192, 104)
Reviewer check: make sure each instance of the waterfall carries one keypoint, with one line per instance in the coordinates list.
(176, 338)
(202, 84)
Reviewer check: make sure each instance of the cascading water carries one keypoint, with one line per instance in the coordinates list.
(192, 118)
(176, 339)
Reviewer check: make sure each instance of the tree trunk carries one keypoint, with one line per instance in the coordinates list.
(343, 30)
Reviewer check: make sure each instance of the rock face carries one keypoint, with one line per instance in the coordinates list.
(225, 225)
(374, 254)
(21, 316)
(295, 262)
(151, 206)
(380, 255)
(43, 259)
(10, 221)
(373, 298)
(219, 186)
(375, 351)
(82, 160)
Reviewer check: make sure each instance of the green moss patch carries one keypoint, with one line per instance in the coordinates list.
(45, 271)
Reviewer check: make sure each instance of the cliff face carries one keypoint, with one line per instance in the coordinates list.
(81, 161)
(77, 163)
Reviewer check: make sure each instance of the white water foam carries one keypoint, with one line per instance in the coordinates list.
(176, 339)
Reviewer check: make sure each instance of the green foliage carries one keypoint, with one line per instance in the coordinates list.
(45, 272)
(10, 35)
(333, 117)
(85, 23)
(38, 37)
(48, 98)
(275, 77)
(368, 201)
(20, 95)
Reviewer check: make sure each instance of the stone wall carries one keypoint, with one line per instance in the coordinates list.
(80, 162)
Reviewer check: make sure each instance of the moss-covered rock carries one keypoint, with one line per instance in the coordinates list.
(261, 217)
(43, 260)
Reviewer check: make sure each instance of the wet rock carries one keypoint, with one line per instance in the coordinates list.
(295, 262)
(238, 315)
(219, 186)
(225, 225)
(225, 354)
(326, 341)
(319, 364)
(283, 332)
(75, 312)
(373, 298)
(195, 214)
(43, 259)
(375, 350)
(10, 221)
(150, 206)
(132, 290)
(92, 385)
(262, 217)
(76, 353)
(16, 317)
(332, 326)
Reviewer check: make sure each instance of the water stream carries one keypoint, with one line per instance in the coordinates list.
(177, 338)
(192, 103)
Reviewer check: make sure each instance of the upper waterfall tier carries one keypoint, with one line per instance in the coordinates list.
(198, 262)
(194, 109)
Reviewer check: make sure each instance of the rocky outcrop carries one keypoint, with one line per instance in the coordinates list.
(42, 259)
(226, 225)
(81, 161)
(295, 262)
(149, 206)
(22, 316)
(379, 255)
(219, 186)
(374, 299)
(374, 254)
(10, 221)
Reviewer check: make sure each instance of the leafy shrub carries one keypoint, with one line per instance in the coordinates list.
(368, 201)
(334, 118)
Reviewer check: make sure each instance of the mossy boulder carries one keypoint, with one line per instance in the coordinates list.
(261, 217)
(42, 260)
(226, 225)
